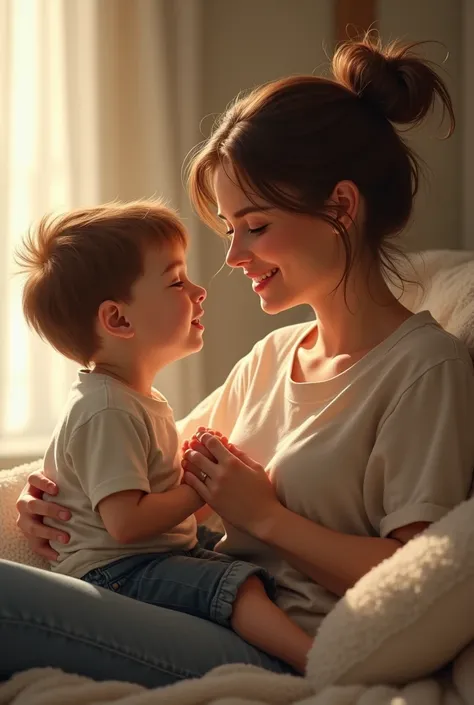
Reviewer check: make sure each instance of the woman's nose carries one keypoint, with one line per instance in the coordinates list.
(237, 254)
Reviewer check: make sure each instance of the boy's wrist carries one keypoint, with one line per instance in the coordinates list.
(195, 501)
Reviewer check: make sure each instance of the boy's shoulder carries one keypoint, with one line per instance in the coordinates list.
(94, 394)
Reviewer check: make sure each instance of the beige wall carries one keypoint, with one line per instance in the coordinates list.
(438, 212)
(467, 75)
(246, 43)
(251, 41)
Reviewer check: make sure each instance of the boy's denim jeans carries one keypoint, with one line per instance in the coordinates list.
(199, 582)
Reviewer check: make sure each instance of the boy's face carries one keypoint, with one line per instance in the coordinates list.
(166, 306)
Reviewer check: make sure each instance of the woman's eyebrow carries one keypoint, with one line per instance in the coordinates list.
(245, 211)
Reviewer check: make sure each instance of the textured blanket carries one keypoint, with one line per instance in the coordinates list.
(238, 685)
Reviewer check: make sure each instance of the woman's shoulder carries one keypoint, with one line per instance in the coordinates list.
(421, 355)
(423, 342)
(282, 340)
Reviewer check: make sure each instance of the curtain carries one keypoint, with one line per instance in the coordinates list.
(99, 100)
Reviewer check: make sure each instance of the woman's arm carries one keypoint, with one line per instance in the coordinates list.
(334, 560)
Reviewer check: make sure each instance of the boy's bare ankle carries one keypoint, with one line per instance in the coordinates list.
(260, 622)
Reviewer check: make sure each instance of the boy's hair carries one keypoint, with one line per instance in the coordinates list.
(79, 259)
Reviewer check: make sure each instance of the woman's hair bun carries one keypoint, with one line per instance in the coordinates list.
(393, 79)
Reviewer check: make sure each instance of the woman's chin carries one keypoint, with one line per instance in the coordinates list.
(272, 307)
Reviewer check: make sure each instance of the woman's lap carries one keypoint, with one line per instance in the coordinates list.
(52, 620)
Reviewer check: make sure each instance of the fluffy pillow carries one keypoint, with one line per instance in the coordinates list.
(407, 617)
(447, 291)
(13, 546)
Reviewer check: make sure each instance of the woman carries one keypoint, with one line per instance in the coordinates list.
(360, 418)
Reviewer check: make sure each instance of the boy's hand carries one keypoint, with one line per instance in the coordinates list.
(195, 444)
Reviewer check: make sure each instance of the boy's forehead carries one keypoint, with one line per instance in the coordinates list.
(166, 257)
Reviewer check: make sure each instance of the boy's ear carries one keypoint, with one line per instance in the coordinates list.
(113, 320)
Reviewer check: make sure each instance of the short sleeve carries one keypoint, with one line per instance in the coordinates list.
(422, 462)
(109, 454)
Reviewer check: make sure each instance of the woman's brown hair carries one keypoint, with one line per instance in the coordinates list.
(292, 140)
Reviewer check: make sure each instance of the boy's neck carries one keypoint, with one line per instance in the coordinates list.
(137, 377)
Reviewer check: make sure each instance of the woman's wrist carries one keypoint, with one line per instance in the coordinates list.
(266, 528)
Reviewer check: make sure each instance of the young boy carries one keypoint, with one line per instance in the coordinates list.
(108, 288)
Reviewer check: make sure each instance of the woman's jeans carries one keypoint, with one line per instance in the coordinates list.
(53, 620)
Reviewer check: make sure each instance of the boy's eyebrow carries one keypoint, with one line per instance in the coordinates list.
(245, 211)
(173, 265)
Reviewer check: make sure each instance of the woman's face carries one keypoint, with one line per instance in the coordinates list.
(291, 259)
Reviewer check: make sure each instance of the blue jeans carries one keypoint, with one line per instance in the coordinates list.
(53, 620)
(200, 582)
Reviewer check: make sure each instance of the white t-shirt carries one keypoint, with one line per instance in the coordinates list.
(388, 442)
(110, 439)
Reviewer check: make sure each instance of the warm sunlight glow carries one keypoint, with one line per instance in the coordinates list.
(35, 378)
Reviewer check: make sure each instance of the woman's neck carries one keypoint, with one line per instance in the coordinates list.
(356, 320)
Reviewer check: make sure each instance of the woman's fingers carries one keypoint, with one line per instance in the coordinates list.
(48, 509)
(244, 457)
(42, 548)
(38, 480)
(200, 448)
(31, 510)
(216, 446)
(33, 528)
(197, 463)
(193, 480)
(30, 505)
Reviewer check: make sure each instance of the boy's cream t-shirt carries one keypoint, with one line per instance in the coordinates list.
(110, 439)
(388, 442)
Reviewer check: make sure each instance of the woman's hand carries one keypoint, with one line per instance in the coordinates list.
(195, 444)
(31, 510)
(234, 485)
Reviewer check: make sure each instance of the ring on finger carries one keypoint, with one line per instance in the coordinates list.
(204, 476)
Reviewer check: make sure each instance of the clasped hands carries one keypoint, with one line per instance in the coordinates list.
(228, 480)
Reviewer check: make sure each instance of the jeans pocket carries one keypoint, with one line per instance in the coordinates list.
(95, 577)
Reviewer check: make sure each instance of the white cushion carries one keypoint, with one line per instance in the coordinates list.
(447, 291)
(407, 617)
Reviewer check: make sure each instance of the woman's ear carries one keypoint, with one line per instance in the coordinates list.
(345, 199)
(113, 320)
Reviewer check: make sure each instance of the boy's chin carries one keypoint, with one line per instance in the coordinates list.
(194, 346)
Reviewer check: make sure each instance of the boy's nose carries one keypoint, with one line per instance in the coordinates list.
(201, 294)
